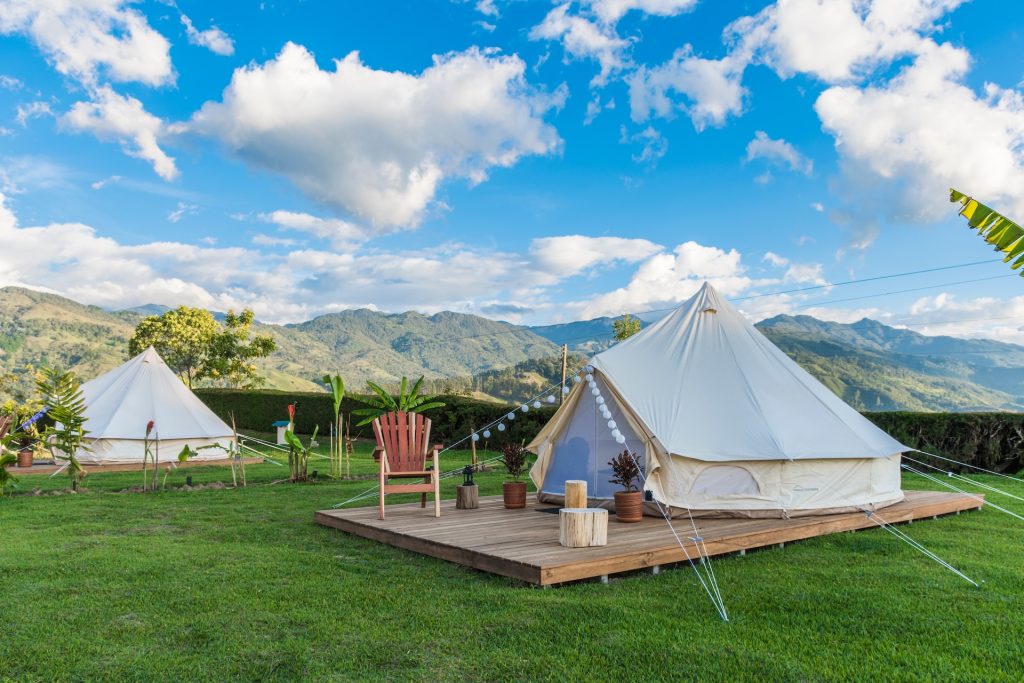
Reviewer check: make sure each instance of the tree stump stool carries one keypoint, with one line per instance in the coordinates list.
(576, 493)
(582, 527)
(467, 497)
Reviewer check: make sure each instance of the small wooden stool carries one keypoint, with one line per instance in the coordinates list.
(576, 493)
(582, 527)
(467, 497)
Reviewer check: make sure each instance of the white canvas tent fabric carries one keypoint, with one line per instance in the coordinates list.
(725, 420)
(121, 402)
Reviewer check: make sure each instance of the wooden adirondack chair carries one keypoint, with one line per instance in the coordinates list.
(404, 439)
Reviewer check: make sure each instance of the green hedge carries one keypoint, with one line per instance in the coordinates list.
(991, 440)
(257, 410)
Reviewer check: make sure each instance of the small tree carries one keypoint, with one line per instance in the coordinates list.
(65, 406)
(197, 347)
(235, 348)
(625, 327)
(183, 337)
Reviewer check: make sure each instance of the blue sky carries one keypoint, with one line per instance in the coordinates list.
(530, 161)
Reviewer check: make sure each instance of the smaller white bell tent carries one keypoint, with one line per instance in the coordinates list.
(120, 403)
(725, 421)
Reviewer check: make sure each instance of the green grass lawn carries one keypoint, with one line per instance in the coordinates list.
(226, 584)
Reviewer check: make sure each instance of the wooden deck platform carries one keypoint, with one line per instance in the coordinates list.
(523, 544)
(48, 468)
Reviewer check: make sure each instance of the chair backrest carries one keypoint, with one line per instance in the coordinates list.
(5, 424)
(405, 438)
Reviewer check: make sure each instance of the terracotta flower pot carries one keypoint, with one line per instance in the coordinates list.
(514, 493)
(629, 507)
(25, 458)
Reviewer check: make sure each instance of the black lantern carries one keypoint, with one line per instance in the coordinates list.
(467, 476)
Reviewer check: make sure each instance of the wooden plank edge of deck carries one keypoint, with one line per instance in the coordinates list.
(577, 569)
(450, 553)
(814, 527)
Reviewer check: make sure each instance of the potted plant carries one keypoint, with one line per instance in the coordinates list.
(26, 452)
(629, 503)
(513, 457)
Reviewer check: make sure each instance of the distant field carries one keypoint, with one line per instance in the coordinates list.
(228, 584)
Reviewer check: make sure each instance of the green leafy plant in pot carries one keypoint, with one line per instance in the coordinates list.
(629, 502)
(513, 457)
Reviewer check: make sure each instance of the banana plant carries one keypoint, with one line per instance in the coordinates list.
(996, 229)
(338, 453)
(407, 401)
(298, 454)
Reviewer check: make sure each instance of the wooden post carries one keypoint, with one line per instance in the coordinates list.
(582, 527)
(565, 368)
(467, 497)
(576, 493)
(472, 446)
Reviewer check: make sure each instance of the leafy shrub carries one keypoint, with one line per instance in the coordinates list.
(513, 457)
(625, 471)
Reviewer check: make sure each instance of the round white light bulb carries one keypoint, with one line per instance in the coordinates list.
(501, 426)
(487, 433)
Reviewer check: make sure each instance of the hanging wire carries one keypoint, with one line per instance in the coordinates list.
(960, 490)
(966, 464)
(966, 480)
(709, 583)
(900, 534)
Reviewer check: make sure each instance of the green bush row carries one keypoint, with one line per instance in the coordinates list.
(991, 440)
(257, 410)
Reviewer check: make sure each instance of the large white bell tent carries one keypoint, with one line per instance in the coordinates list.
(120, 403)
(726, 423)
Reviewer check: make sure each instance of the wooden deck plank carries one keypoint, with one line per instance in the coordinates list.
(523, 544)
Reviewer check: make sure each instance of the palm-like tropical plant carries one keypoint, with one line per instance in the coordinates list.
(407, 401)
(996, 229)
(6, 478)
(298, 454)
(65, 405)
(337, 387)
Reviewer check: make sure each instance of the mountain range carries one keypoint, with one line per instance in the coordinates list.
(870, 365)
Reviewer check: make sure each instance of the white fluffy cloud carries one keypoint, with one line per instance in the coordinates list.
(110, 116)
(666, 279)
(380, 143)
(778, 152)
(584, 38)
(31, 110)
(572, 254)
(341, 233)
(610, 11)
(587, 29)
(836, 40)
(711, 89)
(85, 39)
(925, 131)
(213, 39)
